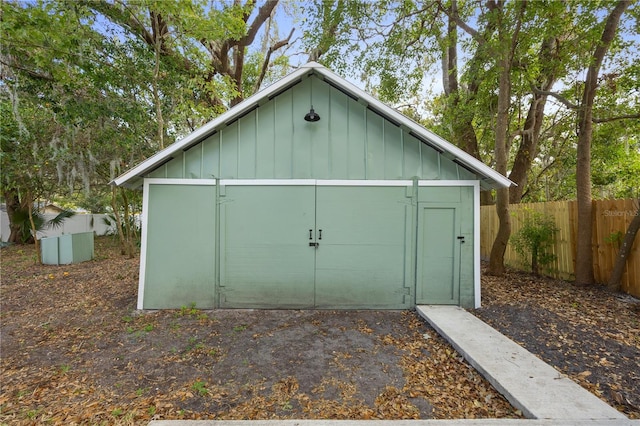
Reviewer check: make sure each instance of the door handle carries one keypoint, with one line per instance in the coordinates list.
(311, 234)
(320, 234)
(461, 238)
(314, 244)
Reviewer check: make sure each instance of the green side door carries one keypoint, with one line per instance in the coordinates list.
(438, 257)
(266, 260)
(363, 236)
(180, 249)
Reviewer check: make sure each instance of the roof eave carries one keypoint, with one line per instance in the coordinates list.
(498, 180)
(209, 128)
(133, 178)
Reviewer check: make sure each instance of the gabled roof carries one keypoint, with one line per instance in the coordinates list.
(489, 178)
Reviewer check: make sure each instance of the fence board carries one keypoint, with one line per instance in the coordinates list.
(610, 217)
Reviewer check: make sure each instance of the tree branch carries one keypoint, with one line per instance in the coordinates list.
(30, 73)
(516, 32)
(619, 117)
(263, 14)
(466, 27)
(125, 17)
(265, 64)
(558, 96)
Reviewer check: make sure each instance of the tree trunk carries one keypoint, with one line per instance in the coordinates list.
(157, 46)
(462, 130)
(534, 260)
(499, 247)
(116, 214)
(34, 230)
(127, 224)
(584, 251)
(461, 116)
(12, 200)
(501, 154)
(496, 259)
(528, 148)
(614, 283)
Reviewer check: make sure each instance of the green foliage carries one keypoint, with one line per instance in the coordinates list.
(615, 238)
(200, 387)
(97, 201)
(398, 48)
(57, 221)
(239, 328)
(534, 240)
(83, 86)
(190, 310)
(20, 218)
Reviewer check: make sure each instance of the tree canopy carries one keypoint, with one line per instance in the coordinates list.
(89, 88)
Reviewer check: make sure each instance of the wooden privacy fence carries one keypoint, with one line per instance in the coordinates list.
(610, 221)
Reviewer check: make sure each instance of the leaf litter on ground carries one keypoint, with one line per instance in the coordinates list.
(75, 350)
(589, 333)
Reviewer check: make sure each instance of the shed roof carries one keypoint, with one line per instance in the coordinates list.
(489, 178)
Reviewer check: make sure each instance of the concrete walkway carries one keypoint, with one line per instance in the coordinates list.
(531, 385)
(545, 396)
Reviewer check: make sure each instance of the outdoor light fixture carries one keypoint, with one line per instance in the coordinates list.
(312, 116)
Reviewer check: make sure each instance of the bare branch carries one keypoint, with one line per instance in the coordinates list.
(516, 32)
(267, 58)
(558, 96)
(263, 14)
(620, 117)
(466, 27)
(127, 19)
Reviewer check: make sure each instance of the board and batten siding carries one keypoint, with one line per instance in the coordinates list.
(351, 141)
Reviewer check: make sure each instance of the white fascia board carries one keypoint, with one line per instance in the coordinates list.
(267, 182)
(208, 128)
(360, 182)
(448, 182)
(314, 182)
(177, 181)
(143, 245)
(418, 129)
(476, 247)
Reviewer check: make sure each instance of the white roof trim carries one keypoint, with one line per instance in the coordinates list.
(133, 176)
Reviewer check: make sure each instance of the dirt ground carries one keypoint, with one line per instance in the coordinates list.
(588, 333)
(75, 350)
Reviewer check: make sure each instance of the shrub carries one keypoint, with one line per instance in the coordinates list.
(535, 238)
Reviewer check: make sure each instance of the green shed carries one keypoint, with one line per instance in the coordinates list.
(310, 194)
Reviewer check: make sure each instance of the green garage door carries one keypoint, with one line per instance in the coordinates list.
(360, 260)
(266, 259)
(176, 276)
(315, 246)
